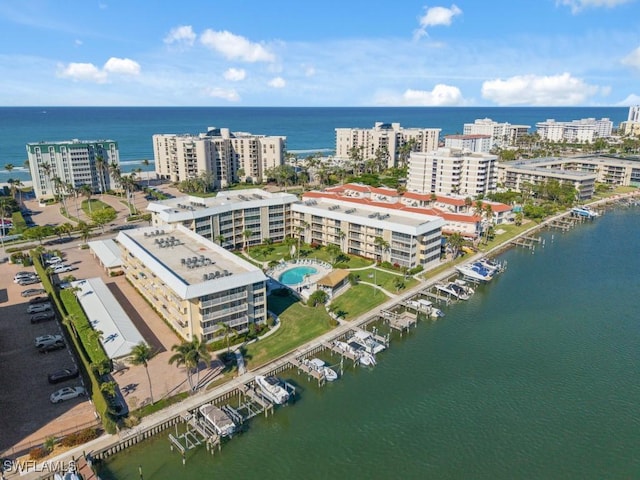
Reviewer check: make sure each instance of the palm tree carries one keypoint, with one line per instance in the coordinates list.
(456, 241)
(301, 229)
(101, 168)
(9, 167)
(200, 354)
(246, 235)
(140, 355)
(183, 357)
(87, 192)
(85, 231)
(116, 174)
(382, 246)
(145, 162)
(109, 388)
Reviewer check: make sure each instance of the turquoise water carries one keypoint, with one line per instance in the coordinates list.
(535, 377)
(296, 275)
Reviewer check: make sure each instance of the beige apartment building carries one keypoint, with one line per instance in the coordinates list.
(582, 171)
(233, 218)
(229, 157)
(452, 171)
(386, 138)
(502, 134)
(403, 237)
(197, 286)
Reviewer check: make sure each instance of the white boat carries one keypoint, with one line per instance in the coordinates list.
(475, 272)
(272, 390)
(319, 366)
(365, 358)
(584, 212)
(461, 292)
(470, 291)
(490, 265)
(366, 340)
(218, 419)
(452, 290)
(428, 307)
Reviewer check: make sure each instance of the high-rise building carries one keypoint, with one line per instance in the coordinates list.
(227, 157)
(502, 134)
(585, 130)
(452, 171)
(385, 141)
(56, 165)
(471, 143)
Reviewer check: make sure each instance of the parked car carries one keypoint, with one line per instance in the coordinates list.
(46, 339)
(29, 281)
(63, 268)
(52, 347)
(23, 276)
(62, 375)
(67, 393)
(40, 299)
(43, 317)
(39, 307)
(53, 260)
(33, 291)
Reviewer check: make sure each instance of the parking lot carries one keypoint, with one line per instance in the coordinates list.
(26, 409)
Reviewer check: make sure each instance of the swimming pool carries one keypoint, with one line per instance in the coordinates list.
(296, 275)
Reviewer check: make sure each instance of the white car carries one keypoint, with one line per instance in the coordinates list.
(67, 393)
(63, 268)
(44, 340)
(39, 307)
(24, 276)
(53, 260)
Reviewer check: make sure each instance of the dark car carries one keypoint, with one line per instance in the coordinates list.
(40, 299)
(42, 317)
(51, 347)
(33, 291)
(62, 375)
(29, 281)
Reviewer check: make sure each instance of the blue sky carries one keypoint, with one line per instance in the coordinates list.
(320, 53)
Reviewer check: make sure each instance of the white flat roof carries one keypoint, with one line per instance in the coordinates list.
(189, 207)
(108, 252)
(188, 263)
(410, 223)
(119, 334)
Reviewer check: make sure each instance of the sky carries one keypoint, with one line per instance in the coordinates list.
(320, 53)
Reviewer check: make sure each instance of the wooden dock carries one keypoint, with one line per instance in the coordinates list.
(401, 321)
(527, 242)
(310, 372)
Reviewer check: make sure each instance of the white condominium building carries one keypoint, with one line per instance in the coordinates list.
(227, 156)
(502, 134)
(585, 130)
(632, 125)
(452, 171)
(386, 139)
(54, 165)
(233, 218)
(405, 238)
(197, 286)
(472, 143)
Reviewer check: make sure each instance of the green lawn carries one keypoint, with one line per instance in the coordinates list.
(385, 279)
(299, 324)
(95, 205)
(357, 300)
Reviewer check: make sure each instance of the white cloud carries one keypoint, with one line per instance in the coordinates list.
(77, 43)
(633, 59)
(183, 34)
(631, 100)
(435, 16)
(579, 5)
(277, 82)
(309, 71)
(235, 74)
(122, 66)
(441, 95)
(88, 72)
(235, 47)
(539, 90)
(82, 72)
(226, 94)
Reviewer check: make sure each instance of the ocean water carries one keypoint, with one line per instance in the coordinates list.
(535, 377)
(308, 130)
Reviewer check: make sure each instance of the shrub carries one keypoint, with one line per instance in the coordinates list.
(116, 273)
(415, 270)
(37, 453)
(386, 264)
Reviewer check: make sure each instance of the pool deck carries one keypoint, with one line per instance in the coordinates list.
(308, 286)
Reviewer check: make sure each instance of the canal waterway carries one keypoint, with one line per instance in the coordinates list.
(536, 376)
